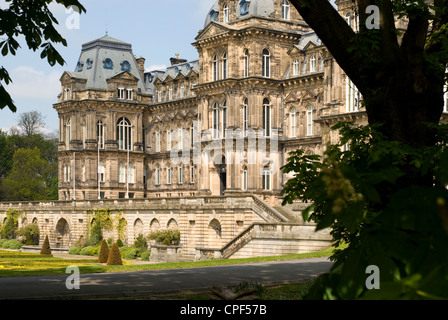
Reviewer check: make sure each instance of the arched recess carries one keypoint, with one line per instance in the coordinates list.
(62, 234)
(154, 225)
(172, 224)
(214, 233)
(138, 228)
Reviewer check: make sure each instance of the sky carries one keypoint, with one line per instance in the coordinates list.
(156, 29)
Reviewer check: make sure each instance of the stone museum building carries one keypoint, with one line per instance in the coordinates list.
(199, 145)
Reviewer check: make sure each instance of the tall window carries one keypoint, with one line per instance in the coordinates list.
(295, 68)
(313, 63)
(168, 175)
(180, 138)
(224, 66)
(192, 136)
(285, 10)
(246, 63)
(192, 173)
(100, 134)
(266, 182)
(266, 63)
(224, 118)
(215, 121)
(159, 96)
(124, 134)
(170, 95)
(157, 176)
(266, 117)
(215, 68)
(244, 184)
(120, 93)
(168, 140)
(129, 95)
(348, 18)
(67, 94)
(182, 91)
(121, 173)
(293, 116)
(309, 121)
(321, 63)
(445, 99)
(131, 173)
(181, 175)
(226, 13)
(101, 172)
(353, 96)
(304, 65)
(68, 133)
(245, 117)
(158, 140)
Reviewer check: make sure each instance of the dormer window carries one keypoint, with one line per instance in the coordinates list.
(89, 64)
(226, 13)
(125, 66)
(79, 66)
(129, 94)
(120, 93)
(107, 64)
(285, 10)
(244, 7)
(214, 15)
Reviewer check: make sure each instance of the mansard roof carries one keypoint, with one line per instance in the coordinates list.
(105, 58)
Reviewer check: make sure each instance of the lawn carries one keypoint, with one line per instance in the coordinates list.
(17, 264)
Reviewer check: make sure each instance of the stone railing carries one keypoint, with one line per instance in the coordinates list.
(265, 231)
(266, 211)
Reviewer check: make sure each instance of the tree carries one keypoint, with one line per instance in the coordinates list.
(29, 177)
(31, 122)
(36, 23)
(104, 252)
(385, 197)
(401, 74)
(114, 258)
(46, 247)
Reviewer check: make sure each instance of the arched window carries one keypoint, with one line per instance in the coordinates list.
(157, 176)
(266, 117)
(79, 66)
(224, 118)
(293, 118)
(309, 121)
(313, 63)
(168, 140)
(168, 175)
(226, 13)
(215, 68)
(246, 63)
(214, 15)
(304, 65)
(125, 66)
(266, 182)
(321, 63)
(100, 134)
(124, 134)
(245, 117)
(108, 64)
(215, 121)
(348, 18)
(158, 140)
(68, 133)
(67, 94)
(295, 68)
(89, 63)
(225, 66)
(170, 95)
(244, 7)
(353, 96)
(286, 10)
(182, 91)
(266, 63)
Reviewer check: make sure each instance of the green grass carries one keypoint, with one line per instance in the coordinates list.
(16, 264)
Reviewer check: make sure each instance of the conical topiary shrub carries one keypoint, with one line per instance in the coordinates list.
(104, 252)
(114, 256)
(46, 246)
